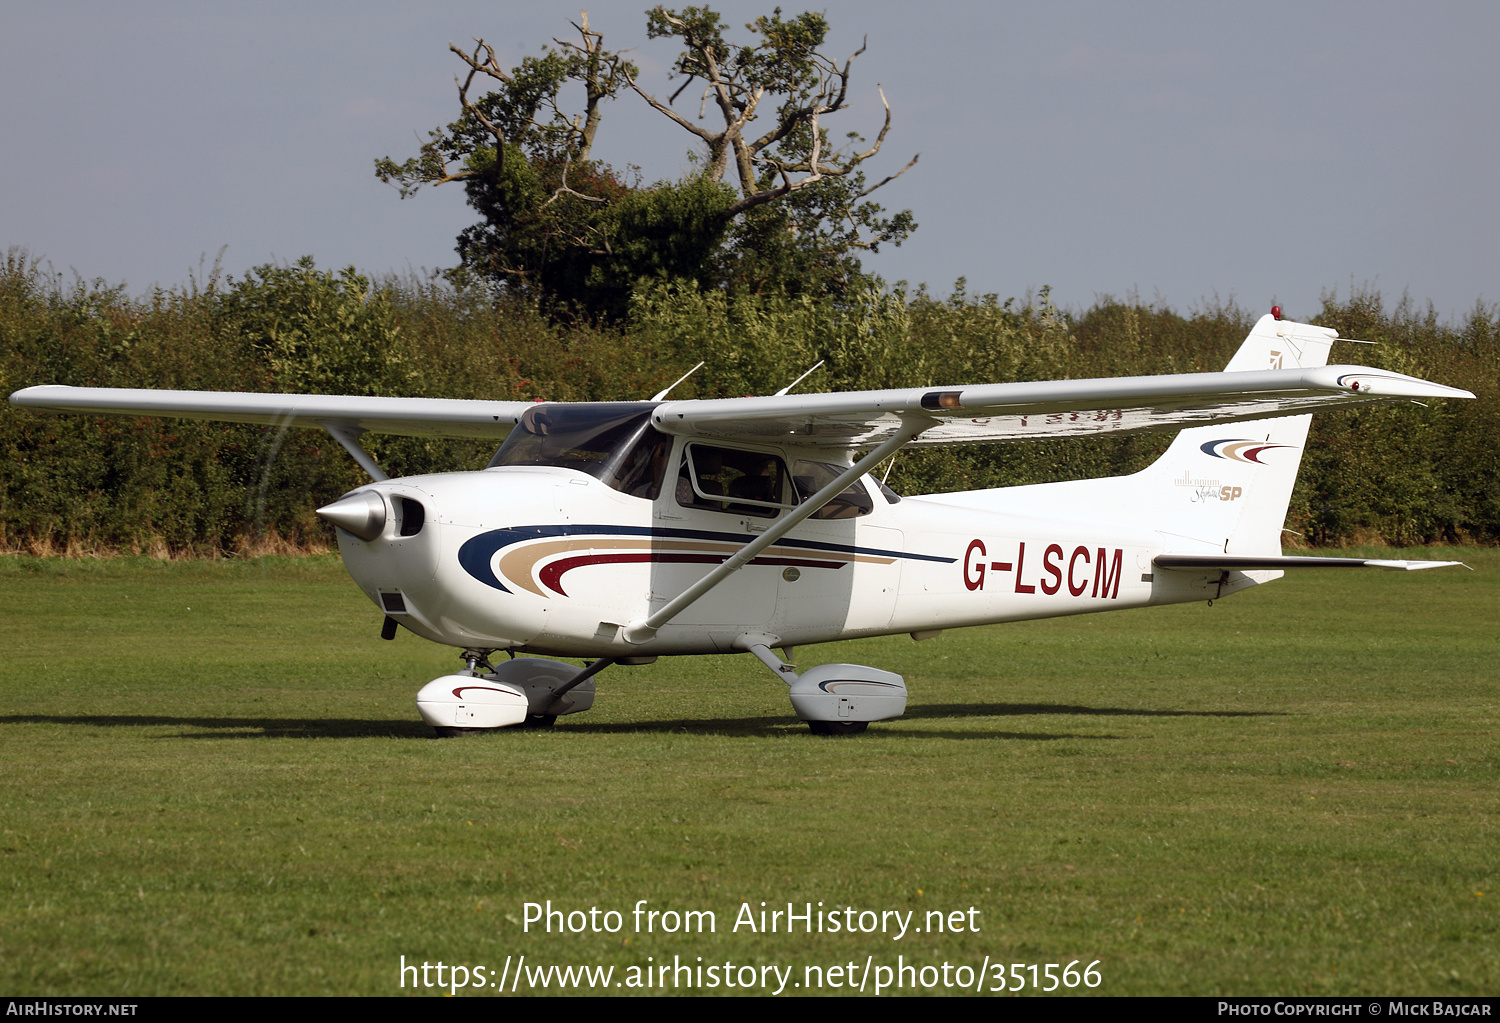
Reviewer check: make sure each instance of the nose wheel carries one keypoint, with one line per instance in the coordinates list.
(524, 692)
(837, 727)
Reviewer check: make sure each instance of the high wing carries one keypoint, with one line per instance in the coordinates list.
(405, 417)
(979, 413)
(1043, 410)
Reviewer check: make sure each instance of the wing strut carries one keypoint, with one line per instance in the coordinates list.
(588, 671)
(349, 437)
(643, 630)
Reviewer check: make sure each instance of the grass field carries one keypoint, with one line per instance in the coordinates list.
(213, 781)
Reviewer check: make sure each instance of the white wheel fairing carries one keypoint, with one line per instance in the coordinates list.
(848, 692)
(463, 701)
(514, 691)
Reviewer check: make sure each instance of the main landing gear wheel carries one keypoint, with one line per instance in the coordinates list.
(837, 727)
(540, 721)
(834, 699)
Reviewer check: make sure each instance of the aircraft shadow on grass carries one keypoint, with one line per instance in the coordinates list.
(771, 725)
(238, 727)
(965, 710)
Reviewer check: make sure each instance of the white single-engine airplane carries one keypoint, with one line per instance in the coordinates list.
(622, 531)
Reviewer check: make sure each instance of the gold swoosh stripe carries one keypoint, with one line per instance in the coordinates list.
(518, 564)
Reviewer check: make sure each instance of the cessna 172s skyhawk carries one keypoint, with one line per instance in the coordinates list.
(623, 531)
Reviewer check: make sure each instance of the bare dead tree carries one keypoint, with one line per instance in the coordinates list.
(601, 73)
(557, 221)
(509, 116)
(738, 81)
(491, 68)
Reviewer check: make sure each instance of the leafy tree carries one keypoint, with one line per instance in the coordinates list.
(317, 331)
(562, 226)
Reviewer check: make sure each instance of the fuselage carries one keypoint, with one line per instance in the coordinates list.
(549, 559)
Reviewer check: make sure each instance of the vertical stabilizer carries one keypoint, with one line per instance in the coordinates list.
(1229, 486)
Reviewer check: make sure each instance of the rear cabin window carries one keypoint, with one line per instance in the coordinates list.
(891, 497)
(729, 480)
(811, 477)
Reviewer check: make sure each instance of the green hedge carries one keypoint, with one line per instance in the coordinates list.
(1401, 475)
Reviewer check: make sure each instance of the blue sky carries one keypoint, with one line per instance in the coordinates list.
(1188, 153)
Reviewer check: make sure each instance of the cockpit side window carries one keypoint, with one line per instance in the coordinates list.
(730, 480)
(811, 477)
(612, 442)
(644, 467)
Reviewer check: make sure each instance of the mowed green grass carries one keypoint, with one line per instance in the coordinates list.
(213, 781)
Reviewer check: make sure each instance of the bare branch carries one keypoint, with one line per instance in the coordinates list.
(852, 161)
(463, 175)
(817, 146)
(844, 76)
(758, 199)
(489, 67)
(879, 139)
(890, 177)
(591, 39)
(602, 72)
(744, 154)
(793, 118)
(657, 105)
(788, 186)
(563, 189)
(493, 69)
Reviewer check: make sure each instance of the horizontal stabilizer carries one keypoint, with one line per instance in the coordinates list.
(1233, 563)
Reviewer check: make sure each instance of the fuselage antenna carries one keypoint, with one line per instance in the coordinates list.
(659, 395)
(803, 377)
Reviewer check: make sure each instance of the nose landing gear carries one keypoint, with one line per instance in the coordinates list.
(529, 692)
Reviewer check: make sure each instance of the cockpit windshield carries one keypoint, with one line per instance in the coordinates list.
(613, 442)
